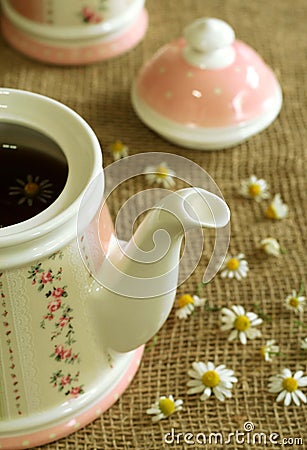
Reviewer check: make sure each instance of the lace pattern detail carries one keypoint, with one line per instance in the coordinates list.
(24, 339)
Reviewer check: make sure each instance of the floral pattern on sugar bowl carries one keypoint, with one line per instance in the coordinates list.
(72, 12)
(92, 15)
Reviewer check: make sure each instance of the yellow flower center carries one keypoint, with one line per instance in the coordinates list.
(185, 300)
(242, 323)
(162, 172)
(210, 378)
(290, 384)
(117, 146)
(263, 351)
(254, 189)
(233, 264)
(271, 212)
(31, 189)
(167, 406)
(294, 302)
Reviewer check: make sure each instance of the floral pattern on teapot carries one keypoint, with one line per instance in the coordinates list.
(7, 326)
(58, 319)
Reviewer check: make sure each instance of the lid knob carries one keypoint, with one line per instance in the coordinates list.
(209, 44)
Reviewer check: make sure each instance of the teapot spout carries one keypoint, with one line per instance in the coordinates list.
(138, 281)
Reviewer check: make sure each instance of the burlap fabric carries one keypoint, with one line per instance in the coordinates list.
(101, 94)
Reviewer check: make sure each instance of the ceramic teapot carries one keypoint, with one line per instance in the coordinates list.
(73, 32)
(70, 339)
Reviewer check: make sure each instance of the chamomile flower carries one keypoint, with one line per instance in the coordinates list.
(269, 350)
(242, 324)
(208, 379)
(287, 387)
(254, 188)
(270, 246)
(187, 304)
(160, 174)
(32, 189)
(235, 267)
(295, 302)
(304, 343)
(119, 150)
(164, 407)
(277, 209)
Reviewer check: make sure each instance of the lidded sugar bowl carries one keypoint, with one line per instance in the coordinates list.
(73, 32)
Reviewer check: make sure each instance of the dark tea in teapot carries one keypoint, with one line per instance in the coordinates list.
(33, 173)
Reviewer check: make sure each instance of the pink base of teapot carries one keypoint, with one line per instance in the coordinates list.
(61, 54)
(46, 434)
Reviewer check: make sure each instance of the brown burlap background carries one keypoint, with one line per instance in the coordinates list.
(100, 93)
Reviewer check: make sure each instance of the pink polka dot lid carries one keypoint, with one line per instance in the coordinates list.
(206, 90)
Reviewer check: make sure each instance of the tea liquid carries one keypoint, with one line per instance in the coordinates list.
(33, 173)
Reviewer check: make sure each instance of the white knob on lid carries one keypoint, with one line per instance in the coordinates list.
(209, 44)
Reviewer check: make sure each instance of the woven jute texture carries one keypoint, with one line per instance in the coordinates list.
(101, 94)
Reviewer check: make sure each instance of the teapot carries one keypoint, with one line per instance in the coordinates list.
(78, 305)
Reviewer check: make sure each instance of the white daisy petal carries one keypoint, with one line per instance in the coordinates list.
(252, 333)
(233, 335)
(210, 366)
(256, 322)
(281, 396)
(295, 398)
(157, 417)
(204, 397)
(195, 390)
(302, 381)
(226, 392)
(227, 326)
(242, 337)
(153, 410)
(298, 374)
(192, 383)
(251, 315)
(194, 374)
(286, 373)
(199, 367)
(228, 312)
(219, 395)
(274, 388)
(301, 395)
(239, 310)
(288, 398)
